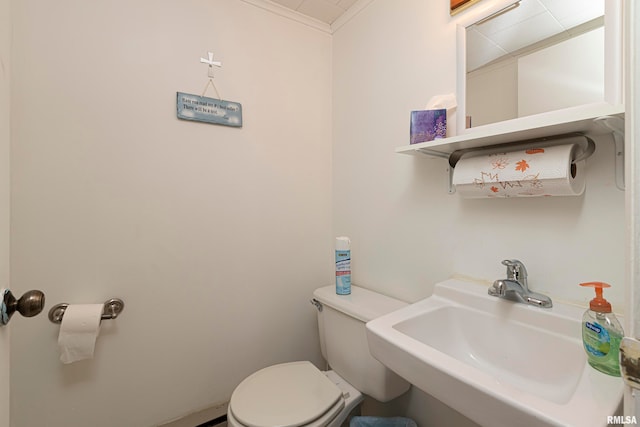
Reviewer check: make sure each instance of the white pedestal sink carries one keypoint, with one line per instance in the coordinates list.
(497, 362)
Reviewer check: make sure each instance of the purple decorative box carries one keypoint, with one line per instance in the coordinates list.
(427, 125)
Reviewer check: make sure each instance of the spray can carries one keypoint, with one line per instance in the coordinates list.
(343, 265)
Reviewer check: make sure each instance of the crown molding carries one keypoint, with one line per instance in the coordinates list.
(354, 10)
(272, 7)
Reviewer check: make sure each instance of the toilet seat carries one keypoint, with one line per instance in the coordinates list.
(289, 395)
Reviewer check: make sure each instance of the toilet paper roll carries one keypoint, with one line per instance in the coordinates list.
(78, 331)
(548, 171)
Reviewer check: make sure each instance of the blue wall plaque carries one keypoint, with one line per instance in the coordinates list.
(208, 110)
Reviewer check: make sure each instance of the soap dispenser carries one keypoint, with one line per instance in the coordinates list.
(601, 333)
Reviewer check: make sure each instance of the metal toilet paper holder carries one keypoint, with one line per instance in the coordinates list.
(112, 309)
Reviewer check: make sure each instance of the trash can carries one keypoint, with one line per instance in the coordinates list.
(381, 422)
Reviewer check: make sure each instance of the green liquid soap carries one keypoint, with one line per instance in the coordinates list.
(601, 333)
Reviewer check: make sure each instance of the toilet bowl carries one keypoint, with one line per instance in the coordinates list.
(297, 394)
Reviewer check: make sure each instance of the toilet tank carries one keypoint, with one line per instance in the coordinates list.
(343, 339)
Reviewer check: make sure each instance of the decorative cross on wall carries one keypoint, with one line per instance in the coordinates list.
(211, 63)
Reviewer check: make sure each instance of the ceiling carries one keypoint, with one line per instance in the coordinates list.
(325, 11)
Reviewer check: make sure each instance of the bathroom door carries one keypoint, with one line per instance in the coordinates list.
(4, 377)
(4, 237)
(5, 135)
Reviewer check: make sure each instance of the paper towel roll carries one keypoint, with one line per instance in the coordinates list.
(78, 331)
(533, 172)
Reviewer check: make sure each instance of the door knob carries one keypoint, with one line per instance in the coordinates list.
(29, 305)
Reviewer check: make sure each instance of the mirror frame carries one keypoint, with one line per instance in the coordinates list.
(612, 55)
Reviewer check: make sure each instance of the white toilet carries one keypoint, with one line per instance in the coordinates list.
(298, 394)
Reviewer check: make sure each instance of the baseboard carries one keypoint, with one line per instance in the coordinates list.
(202, 418)
(218, 422)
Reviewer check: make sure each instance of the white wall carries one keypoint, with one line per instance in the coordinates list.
(5, 135)
(214, 237)
(407, 233)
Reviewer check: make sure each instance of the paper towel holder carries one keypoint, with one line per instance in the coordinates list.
(588, 147)
(112, 309)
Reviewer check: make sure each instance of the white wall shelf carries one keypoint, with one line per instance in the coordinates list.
(587, 120)
(571, 120)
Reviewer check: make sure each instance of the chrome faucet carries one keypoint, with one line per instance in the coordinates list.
(516, 288)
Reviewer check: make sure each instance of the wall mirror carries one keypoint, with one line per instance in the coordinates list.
(531, 57)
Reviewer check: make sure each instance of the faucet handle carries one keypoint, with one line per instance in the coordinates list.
(515, 270)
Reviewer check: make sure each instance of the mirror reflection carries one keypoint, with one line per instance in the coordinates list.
(534, 57)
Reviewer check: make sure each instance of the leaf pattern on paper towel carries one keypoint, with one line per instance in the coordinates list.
(533, 181)
(486, 178)
(522, 165)
(510, 184)
(535, 151)
(500, 163)
(495, 183)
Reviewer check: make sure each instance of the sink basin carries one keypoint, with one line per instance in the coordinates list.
(497, 362)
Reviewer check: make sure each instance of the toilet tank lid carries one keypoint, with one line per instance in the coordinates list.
(361, 304)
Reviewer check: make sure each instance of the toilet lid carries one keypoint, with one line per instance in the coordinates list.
(287, 395)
